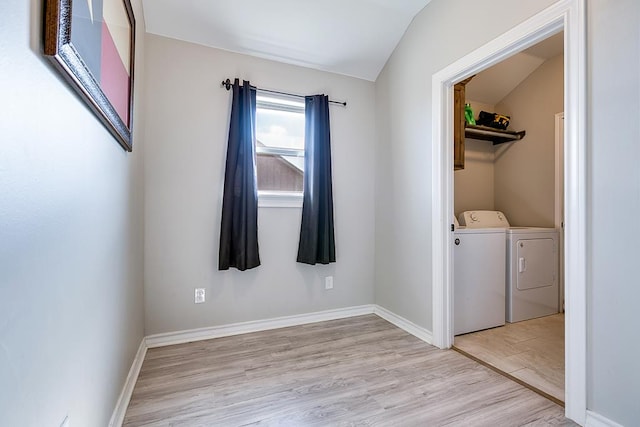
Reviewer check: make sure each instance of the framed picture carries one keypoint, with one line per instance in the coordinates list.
(92, 44)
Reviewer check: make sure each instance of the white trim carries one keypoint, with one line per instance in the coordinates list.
(597, 420)
(404, 324)
(559, 170)
(180, 337)
(575, 202)
(117, 418)
(570, 16)
(281, 151)
(559, 200)
(279, 199)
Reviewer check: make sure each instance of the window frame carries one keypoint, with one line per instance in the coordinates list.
(273, 198)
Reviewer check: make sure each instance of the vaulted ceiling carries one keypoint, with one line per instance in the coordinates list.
(493, 84)
(351, 37)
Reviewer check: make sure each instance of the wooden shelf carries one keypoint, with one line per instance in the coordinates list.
(497, 136)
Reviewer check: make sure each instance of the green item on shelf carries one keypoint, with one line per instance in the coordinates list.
(468, 114)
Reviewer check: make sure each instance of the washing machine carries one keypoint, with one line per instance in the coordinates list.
(478, 279)
(532, 261)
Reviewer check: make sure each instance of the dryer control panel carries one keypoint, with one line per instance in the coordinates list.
(483, 219)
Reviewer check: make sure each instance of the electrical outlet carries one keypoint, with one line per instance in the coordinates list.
(328, 282)
(199, 296)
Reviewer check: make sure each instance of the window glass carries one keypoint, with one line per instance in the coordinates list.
(279, 173)
(279, 143)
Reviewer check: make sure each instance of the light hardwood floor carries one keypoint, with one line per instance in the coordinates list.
(532, 351)
(352, 372)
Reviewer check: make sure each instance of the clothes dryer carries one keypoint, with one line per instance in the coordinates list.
(532, 273)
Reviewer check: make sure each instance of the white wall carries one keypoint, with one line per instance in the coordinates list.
(473, 185)
(187, 127)
(403, 95)
(71, 228)
(525, 170)
(613, 109)
(443, 32)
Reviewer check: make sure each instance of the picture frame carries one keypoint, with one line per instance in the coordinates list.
(92, 45)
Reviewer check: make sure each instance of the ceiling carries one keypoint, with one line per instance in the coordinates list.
(493, 84)
(354, 37)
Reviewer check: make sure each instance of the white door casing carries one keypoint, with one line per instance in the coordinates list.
(567, 15)
(559, 201)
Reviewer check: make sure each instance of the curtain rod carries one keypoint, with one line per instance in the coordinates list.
(227, 84)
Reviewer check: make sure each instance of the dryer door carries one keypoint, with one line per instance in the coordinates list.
(537, 263)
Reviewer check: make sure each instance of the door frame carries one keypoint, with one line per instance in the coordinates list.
(559, 199)
(567, 15)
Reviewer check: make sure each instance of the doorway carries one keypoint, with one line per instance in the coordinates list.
(568, 15)
(512, 321)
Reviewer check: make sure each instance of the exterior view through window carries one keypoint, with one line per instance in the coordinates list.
(279, 143)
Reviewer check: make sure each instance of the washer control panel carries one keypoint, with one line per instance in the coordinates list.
(483, 219)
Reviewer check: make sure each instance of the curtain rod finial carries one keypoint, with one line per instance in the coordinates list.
(227, 84)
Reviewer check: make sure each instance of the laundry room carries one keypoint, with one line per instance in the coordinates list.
(508, 204)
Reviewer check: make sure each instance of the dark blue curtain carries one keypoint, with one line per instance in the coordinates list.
(317, 241)
(239, 227)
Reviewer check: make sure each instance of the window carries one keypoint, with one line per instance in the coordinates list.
(279, 149)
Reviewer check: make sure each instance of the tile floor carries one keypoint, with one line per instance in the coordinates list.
(532, 351)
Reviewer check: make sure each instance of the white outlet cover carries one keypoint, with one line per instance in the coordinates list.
(199, 295)
(328, 282)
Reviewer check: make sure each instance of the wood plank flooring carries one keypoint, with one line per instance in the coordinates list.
(360, 371)
(532, 351)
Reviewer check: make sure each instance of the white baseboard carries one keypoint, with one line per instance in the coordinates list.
(597, 420)
(117, 417)
(180, 337)
(402, 323)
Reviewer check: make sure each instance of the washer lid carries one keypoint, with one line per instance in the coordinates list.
(483, 219)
